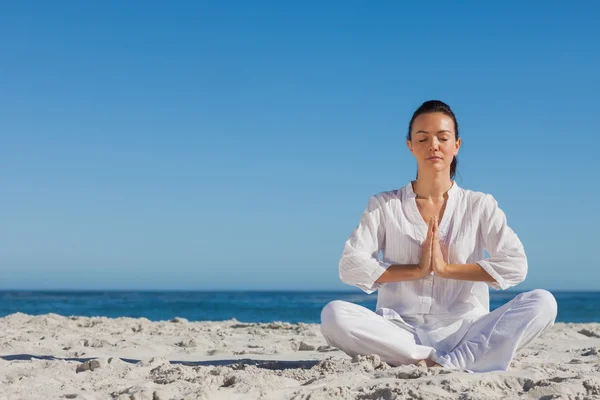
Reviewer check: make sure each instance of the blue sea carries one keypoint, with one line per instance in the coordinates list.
(250, 306)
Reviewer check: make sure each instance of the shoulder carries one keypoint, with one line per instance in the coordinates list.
(479, 201)
(383, 200)
(385, 197)
(475, 196)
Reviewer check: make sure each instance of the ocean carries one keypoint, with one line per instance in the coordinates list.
(245, 306)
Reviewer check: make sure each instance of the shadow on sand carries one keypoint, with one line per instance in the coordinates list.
(267, 364)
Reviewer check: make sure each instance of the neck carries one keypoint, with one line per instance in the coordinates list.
(432, 185)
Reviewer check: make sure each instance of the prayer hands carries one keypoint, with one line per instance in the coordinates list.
(426, 253)
(432, 258)
(438, 264)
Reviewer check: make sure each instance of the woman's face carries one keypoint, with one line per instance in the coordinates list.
(433, 141)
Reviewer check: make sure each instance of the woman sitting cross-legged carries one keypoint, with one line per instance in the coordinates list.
(433, 279)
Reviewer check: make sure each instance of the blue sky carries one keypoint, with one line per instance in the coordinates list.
(234, 145)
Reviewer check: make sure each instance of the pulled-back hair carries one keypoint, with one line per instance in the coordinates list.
(432, 106)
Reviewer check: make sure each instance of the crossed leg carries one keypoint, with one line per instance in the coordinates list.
(489, 345)
(492, 340)
(355, 329)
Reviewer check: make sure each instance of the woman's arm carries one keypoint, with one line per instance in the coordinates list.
(359, 265)
(466, 272)
(410, 272)
(400, 272)
(507, 263)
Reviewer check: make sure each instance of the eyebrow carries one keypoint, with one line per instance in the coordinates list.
(442, 131)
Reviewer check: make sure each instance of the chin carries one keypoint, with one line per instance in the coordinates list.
(438, 167)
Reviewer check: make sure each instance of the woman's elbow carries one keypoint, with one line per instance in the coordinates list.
(345, 271)
(521, 269)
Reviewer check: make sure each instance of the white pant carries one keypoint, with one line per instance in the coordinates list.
(489, 344)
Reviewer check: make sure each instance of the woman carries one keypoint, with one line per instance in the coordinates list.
(433, 300)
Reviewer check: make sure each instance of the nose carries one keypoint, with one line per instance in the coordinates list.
(434, 143)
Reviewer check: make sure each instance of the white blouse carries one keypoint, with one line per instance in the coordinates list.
(437, 310)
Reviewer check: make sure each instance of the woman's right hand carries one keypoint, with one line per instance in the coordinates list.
(424, 265)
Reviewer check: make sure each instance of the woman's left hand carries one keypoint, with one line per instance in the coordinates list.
(438, 264)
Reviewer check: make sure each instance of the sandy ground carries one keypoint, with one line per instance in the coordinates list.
(54, 357)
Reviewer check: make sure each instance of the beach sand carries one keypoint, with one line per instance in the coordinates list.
(48, 357)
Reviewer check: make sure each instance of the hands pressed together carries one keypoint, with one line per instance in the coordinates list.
(432, 258)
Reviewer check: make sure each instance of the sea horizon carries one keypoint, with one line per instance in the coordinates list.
(511, 290)
(251, 305)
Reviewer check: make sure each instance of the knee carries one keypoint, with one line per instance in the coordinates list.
(331, 315)
(545, 302)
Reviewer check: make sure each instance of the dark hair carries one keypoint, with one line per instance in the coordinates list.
(432, 106)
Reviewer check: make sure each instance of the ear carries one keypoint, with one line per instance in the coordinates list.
(409, 145)
(458, 144)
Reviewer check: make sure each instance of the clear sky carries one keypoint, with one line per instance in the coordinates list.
(234, 145)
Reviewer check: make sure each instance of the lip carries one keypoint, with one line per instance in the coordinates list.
(434, 158)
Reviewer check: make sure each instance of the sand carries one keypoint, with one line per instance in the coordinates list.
(56, 357)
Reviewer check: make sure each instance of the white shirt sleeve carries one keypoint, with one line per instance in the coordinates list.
(359, 265)
(507, 263)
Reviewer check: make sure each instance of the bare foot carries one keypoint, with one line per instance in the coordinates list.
(427, 363)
